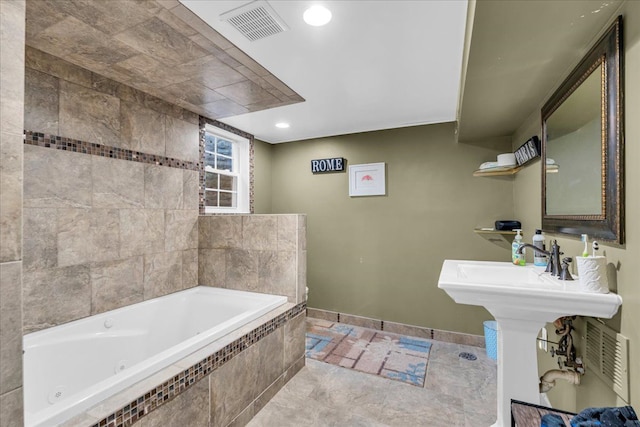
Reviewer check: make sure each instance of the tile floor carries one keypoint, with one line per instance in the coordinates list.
(458, 392)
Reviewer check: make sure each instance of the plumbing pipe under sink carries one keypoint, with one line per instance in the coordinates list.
(548, 380)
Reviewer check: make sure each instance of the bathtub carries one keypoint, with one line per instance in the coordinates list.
(72, 367)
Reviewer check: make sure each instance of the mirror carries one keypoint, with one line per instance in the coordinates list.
(582, 146)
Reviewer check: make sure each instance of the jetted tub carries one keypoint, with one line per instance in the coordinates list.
(72, 367)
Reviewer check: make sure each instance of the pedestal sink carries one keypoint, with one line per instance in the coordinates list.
(522, 299)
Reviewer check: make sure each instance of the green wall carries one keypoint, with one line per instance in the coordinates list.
(262, 177)
(592, 392)
(381, 256)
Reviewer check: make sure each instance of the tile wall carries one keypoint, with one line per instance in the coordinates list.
(12, 23)
(260, 253)
(100, 232)
(111, 218)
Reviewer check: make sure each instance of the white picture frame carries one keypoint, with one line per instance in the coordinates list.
(367, 180)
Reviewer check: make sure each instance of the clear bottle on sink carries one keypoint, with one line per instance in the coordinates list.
(517, 258)
(539, 259)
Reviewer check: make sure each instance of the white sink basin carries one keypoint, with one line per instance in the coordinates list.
(521, 291)
(522, 299)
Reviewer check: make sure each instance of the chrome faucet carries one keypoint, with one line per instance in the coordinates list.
(553, 265)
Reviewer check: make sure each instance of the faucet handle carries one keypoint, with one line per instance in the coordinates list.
(564, 274)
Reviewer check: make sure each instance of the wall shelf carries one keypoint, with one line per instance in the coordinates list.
(500, 171)
(502, 238)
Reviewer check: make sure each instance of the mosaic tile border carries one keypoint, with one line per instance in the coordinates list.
(77, 146)
(166, 391)
(206, 121)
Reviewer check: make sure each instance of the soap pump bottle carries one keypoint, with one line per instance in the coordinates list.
(516, 258)
(539, 259)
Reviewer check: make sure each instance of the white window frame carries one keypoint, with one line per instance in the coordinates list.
(241, 168)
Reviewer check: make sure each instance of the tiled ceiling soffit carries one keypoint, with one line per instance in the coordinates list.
(159, 47)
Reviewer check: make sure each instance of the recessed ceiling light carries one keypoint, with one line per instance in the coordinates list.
(317, 15)
(282, 125)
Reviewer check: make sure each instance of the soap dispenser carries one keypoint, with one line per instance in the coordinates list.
(517, 258)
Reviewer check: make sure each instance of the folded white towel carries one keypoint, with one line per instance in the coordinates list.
(489, 165)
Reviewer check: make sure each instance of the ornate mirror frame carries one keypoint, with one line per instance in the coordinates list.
(609, 225)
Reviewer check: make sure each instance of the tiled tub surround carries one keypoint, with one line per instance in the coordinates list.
(12, 25)
(103, 233)
(397, 328)
(260, 253)
(224, 383)
(81, 363)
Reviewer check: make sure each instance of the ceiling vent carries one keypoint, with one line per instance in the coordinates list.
(255, 20)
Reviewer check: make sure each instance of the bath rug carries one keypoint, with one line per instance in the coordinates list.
(388, 355)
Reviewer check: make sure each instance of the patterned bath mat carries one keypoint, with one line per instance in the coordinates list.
(375, 352)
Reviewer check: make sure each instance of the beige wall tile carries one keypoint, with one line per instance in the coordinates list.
(12, 67)
(402, 329)
(10, 326)
(41, 102)
(160, 41)
(79, 42)
(142, 129)
(363, 322)
(163, 187)
(277, 273)
(302, 276)
(190, 189)
(141, 231)
(267, 357)
(182, 139)
(316, 313)
(259, 232)
(294, 340)
(40, 228)
(181, 230)
(190, 268)
(88, 235)
(242, 270)
(55, 178)
(89, 115)
(116, 284)
(117, 183)
(49, 64)
(287, 232)
(11, 413)
(55, 296)
(190, 408)
(10, 197)
(162, 274)
(221, 231)
(212, 267)
(231, 389)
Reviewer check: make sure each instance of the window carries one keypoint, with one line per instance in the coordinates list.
(226, 171)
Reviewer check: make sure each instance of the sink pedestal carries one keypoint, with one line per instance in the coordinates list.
(517, 365)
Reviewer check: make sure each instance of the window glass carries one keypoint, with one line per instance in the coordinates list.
(226, 171)
(220, 172)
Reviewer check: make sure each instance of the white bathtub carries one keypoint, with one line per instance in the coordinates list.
(72, 367)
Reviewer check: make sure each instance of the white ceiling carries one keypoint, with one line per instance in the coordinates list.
(376, 65)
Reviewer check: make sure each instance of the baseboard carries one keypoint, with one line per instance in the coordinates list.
(397, 328)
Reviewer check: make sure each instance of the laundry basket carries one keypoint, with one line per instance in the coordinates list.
(491, 338)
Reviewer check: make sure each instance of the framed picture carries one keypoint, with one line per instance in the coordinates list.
(367, 180)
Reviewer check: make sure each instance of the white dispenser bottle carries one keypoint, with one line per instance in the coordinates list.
(516, 258)
(538, 241)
